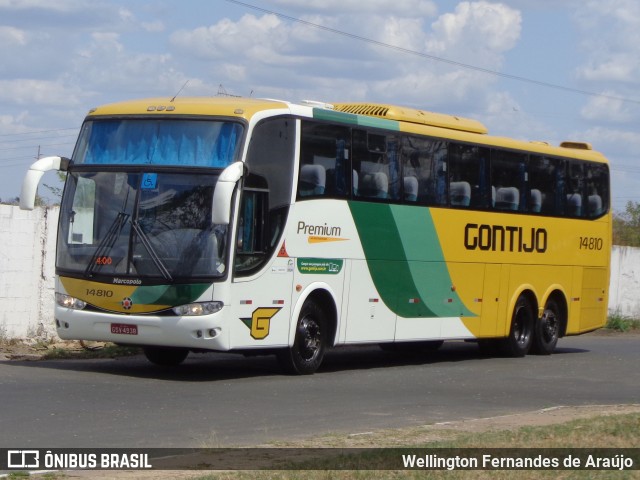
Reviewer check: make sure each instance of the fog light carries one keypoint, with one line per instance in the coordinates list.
(68, 301)
(195, 309)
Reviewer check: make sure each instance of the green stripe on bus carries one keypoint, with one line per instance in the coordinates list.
(351, 119)
(426, 261)
(408, 269)
(172, 295)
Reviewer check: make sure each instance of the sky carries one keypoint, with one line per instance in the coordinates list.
(546, 70)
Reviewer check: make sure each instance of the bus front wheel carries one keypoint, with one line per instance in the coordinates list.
(518, 343)
(166, 356)
(547, 329)
(306, 354)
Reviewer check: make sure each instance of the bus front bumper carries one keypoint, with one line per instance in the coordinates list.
(195, 332)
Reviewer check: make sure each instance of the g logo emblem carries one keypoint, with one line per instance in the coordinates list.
(260, 321)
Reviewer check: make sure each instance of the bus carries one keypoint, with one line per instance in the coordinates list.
(271, 227)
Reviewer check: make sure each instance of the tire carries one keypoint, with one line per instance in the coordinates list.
(547, 329)
(307, 352)
(520, 338)
(166, 356)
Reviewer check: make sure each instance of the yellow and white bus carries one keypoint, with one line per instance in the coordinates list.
(262, 226)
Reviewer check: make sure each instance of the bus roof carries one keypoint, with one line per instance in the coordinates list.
(403, 118)
(226, 106)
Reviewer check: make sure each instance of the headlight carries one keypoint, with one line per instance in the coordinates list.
(193, 309)
(68, 301)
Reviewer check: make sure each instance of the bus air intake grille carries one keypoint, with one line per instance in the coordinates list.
(364, 109)
(412, 115)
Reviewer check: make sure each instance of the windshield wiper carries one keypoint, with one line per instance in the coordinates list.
(152, 253)
(107, 242)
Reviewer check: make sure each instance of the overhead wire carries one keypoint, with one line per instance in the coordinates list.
(409, 51)
(36, 141)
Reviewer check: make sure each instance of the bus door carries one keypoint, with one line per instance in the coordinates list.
(263, 279)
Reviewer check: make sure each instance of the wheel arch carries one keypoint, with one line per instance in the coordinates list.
(324, 296)
(529, 292)
(556, 293)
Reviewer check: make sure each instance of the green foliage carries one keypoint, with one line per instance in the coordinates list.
(622, 323)
(626, 226)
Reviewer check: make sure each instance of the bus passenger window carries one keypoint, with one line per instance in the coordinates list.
(375, 185)
(410, 189)
(597, 178)
(313, 179)
(575, 189)
(324, 161)
(424, 167)
(535, 200)
(468, 176)
(460, 194)
(508, 176)
(544, 180)
(376, 165)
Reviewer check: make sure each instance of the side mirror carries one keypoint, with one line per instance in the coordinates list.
(223, 193)
(35, 173)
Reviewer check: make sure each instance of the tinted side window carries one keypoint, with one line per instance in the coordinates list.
(508, 188)
(424, 163)
(546, 185)
(324, 161)
(597, 183)
(376, 166)
(469, 176)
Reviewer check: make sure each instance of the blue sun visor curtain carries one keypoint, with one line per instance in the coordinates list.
(184, 143)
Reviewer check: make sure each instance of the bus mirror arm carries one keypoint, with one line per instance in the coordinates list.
(34, 175)
(223, 193)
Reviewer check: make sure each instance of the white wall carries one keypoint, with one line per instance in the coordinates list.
(27, 257)
(27, 253)
(624, 286)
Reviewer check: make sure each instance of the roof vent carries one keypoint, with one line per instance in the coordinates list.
(411, 115)
(577, 145)
(371, 110)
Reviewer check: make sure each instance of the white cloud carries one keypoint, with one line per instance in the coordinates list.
(618, 67)
(616, 141)
(228, 38)
(611, 32)
(106, 65)
(154, 26)
(39, 93)
(12, 36)
(411, 8)
(13, 123)
(294, 57)
(476, 32)
(610, 108)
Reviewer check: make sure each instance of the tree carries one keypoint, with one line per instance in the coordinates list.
(626, 226)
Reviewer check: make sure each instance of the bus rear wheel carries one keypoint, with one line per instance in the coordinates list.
(520, 338)
(166, 356)
(307, 352)
(547, 329)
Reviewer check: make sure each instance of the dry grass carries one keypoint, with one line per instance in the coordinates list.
(607, 431)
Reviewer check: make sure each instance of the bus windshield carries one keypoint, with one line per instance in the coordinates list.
(153, 226)
(161, 141)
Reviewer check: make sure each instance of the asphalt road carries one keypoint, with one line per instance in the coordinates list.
(218, 400)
